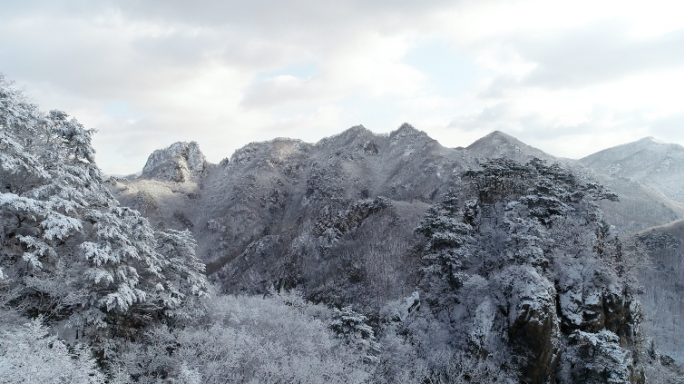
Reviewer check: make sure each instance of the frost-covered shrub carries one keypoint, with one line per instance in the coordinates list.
(419, 349)
(278, 339)
(29, 354)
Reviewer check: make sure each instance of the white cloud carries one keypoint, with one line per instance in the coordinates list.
(565, 76)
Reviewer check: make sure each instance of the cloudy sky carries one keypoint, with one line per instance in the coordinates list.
(569, 77)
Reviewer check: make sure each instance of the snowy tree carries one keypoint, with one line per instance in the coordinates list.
(449, 245)
(528, 240)
(241, 339)
(353, 328)
(29, 354)
(68, 251)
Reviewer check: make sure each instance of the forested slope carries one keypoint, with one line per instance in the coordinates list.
(662, 276)
(337, 220)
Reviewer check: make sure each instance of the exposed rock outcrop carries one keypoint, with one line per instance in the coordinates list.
(533, 326)
(180, 162)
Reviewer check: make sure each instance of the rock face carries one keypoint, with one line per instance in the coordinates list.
(551, 263)
(179, 162)
(167, 187)
(534, 326)
(596, 358)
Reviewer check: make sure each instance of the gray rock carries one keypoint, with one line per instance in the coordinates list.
(180, 162)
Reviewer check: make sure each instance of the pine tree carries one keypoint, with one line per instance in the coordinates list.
(353, 328)
(68, 251)
(448, 247)
(526, 258)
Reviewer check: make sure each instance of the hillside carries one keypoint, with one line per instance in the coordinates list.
(273, 185)
(648, 161)
(284, 196)
(640, 206)
(662, 276)
(269, 194)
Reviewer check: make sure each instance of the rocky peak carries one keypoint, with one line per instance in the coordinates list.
(179, 162)
(279, 148)
(407, 130)
(496, 138)
(348, 138)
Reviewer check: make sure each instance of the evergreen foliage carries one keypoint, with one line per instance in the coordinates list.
(69, 252)
(353, 328)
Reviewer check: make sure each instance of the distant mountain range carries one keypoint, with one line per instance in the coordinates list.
(406, 164)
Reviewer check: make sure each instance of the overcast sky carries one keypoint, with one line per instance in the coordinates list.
(568, 77)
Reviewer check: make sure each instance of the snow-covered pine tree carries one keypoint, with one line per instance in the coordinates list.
(449, 245)
(68, 251)
(353, 328)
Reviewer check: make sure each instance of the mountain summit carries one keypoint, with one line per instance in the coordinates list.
(498, 144)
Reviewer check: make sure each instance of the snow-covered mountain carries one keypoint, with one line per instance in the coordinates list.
(375, 259)
(270, 197)
(651, 162)
(499, 144)
(276, 187)
(643, 202)
(271, 186)
(337, 216)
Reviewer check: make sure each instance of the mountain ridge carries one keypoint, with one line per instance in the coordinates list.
(377, 159)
